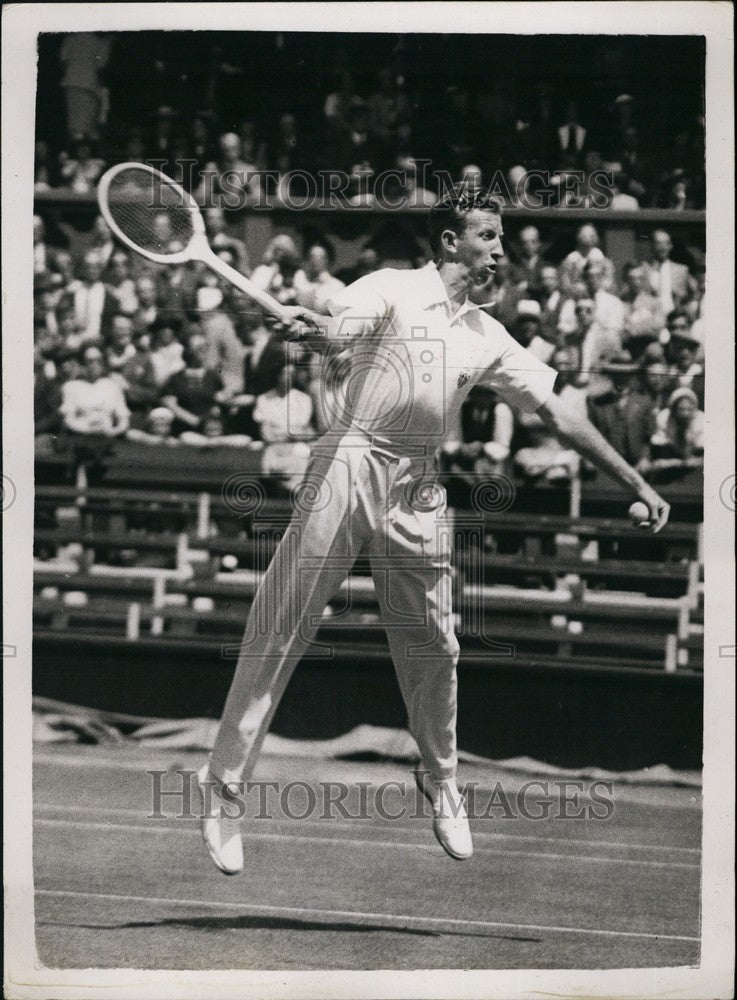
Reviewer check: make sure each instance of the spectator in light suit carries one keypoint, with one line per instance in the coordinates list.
(609, 314)
(670, 281)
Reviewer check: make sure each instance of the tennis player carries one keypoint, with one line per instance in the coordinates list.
(419, 344)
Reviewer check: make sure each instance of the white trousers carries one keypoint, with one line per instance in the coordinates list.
(357, 498)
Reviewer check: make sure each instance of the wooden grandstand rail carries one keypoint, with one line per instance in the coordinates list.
(275, 508)
(237, 589)
(348, 630)
(568, 621)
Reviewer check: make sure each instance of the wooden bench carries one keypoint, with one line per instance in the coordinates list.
(169, 546)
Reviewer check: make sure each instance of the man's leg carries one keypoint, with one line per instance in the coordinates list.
(414, 582)
(312, 560)
(414, 578)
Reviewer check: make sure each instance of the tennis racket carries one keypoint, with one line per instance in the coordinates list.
(157, 218)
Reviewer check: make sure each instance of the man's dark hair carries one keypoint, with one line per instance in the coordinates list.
(451, 211)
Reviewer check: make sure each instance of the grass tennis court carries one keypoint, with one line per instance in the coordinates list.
(115, 888)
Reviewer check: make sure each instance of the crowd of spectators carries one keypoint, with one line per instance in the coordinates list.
(630, 355)
(176, 357)
(363, 124)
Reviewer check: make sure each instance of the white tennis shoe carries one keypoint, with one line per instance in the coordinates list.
(221, 833)
(450, 821)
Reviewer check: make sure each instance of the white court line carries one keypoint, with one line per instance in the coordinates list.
(351, 822)
(388, 920)
(403, 844)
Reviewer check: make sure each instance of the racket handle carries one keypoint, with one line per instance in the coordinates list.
(245, 285)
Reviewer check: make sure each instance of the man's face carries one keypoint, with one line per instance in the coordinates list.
(146, 292)
(587, 238)
(197, 352)
(119, 266)
(530, 241)
(230, 147)
(563, 363)
(684, 411)
(67, 324)
(584, 314)
(160, 426)
(64, 265)
(316, 263)
(212, 427)
(684, 352)
(549, 279)
(164, 336)
(162, 230)
(94, 368)
(227, 257)
(479, 246)
(662, 246)
(472, 175)
(70, 369)
(121, 333)
(215, 221)
(92, 269)
(637, 279)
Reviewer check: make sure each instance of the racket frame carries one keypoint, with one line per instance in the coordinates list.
(198, 247)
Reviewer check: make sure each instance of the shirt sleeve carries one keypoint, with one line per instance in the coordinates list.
(522, 380)
(359, 308)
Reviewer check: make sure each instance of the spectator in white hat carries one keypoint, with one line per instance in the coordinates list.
(527, 327)
(678, 441)
(158, 428)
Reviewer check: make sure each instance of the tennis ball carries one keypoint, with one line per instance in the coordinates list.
(640, 513)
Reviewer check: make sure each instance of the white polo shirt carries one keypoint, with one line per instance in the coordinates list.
(415, 359)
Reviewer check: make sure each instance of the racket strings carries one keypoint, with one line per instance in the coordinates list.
(150, 212)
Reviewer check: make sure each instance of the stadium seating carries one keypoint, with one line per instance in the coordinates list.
(134, 563)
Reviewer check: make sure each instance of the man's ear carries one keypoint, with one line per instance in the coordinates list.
(449, 240)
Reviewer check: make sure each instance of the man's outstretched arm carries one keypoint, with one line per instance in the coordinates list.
(580, 434)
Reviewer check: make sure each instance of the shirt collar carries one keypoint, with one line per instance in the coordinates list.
(433, 292)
